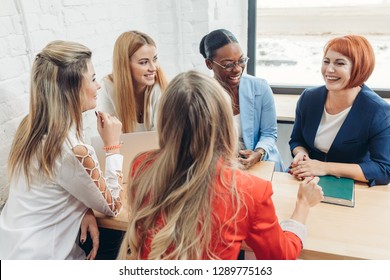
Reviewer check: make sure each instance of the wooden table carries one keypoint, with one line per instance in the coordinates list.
(262, 169)
(339, 232)
(285, 105)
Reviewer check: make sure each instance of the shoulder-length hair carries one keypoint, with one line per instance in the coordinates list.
(55, 106)
(359, 50)
(125, 46)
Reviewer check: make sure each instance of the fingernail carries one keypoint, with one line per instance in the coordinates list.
(82, 241)
(96, 113)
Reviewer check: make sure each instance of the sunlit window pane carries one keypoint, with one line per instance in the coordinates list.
(291, 36)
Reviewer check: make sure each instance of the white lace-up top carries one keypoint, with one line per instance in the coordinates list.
(42, 220)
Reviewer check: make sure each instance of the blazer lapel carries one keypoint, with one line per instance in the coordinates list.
(314, 114)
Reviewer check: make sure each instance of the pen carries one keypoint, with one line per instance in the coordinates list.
(100, 118)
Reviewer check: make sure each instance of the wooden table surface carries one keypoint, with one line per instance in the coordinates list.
(339, 232)
(285, 105)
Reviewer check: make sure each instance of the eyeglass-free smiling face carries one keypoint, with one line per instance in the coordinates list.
(336, 70)
(89, 88)
(144, 64)
(228, 64)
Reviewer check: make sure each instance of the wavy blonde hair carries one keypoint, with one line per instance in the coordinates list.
(55, 105)
(175, 184)
(125, 46)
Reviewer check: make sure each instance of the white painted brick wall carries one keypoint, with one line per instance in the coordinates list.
(26, 26)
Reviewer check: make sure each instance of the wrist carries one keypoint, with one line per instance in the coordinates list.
(115, 148)
(262, 153)
(301, 211)
(300, 150)
(328, 170)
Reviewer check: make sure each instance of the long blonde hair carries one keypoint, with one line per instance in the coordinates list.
(175, 184)
(125, 46)
(55, 105)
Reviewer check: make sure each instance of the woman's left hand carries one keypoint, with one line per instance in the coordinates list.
(88, 224)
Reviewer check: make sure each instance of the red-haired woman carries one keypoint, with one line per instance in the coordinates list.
(343, 128)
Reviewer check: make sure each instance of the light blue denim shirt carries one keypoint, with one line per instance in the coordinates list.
(258, 118)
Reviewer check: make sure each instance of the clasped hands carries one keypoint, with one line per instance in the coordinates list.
(302, 166)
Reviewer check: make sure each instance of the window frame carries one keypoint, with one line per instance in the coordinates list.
(251, 67)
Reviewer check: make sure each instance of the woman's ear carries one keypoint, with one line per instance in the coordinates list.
(209, 63)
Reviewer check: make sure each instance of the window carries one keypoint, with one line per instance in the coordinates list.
(290, 36)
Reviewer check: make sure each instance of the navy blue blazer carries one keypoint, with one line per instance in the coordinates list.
(364, 137)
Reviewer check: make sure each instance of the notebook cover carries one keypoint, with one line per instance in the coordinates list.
(340, 191)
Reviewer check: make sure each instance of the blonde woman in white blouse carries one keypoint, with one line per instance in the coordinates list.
(55, 177)
(133, 90)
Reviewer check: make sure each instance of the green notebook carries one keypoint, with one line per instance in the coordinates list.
(340, 191)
